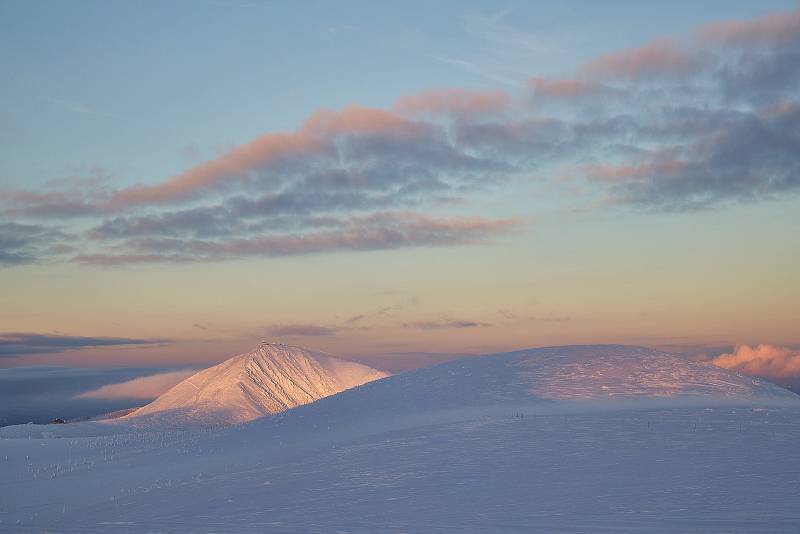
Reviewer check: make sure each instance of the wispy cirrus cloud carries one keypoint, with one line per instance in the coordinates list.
(20, 344)
(479, 68)
(74, 106)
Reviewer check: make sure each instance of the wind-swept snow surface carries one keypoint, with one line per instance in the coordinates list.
(568, 439)
(618, 372)
(268, 380)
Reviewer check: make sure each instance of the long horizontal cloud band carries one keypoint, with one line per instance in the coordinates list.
(377, 232)
(683, 123)
(19, 344)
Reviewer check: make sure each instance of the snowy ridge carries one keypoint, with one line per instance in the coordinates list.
(268, 380)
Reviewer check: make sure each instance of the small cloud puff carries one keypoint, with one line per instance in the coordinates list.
(769, 361)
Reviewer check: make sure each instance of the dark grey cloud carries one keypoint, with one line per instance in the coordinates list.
(372, 232)
(444, 324)
(26, 243)
(757, 61)
(384, 311)
(355, 318)
(719, 125)
(761, 77)
(299, 330)
(534, 139)
(748, 156)
(20, 344)
(324, 211)
(199, 222)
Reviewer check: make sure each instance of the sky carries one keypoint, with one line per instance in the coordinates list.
(179, 180)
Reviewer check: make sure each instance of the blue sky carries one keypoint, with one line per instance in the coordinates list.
(369, 178)
(140, 91)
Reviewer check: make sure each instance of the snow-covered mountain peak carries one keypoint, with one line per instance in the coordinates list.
(270, 379)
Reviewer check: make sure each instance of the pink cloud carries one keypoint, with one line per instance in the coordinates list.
(453, 102)
(658, 58)
(233, 166)
(565, 89)
(781, 110)
(772, 29)
(634, 172)
(144, 387)
(360, 120)
(313, 139)
(769, 361)
(76, 200)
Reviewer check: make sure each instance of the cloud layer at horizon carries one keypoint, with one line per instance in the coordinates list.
(21, 344)
(143, 387)
(685, 123)
(41, 393)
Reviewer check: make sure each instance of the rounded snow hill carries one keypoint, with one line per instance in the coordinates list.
(584, 375)
(272, 378)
